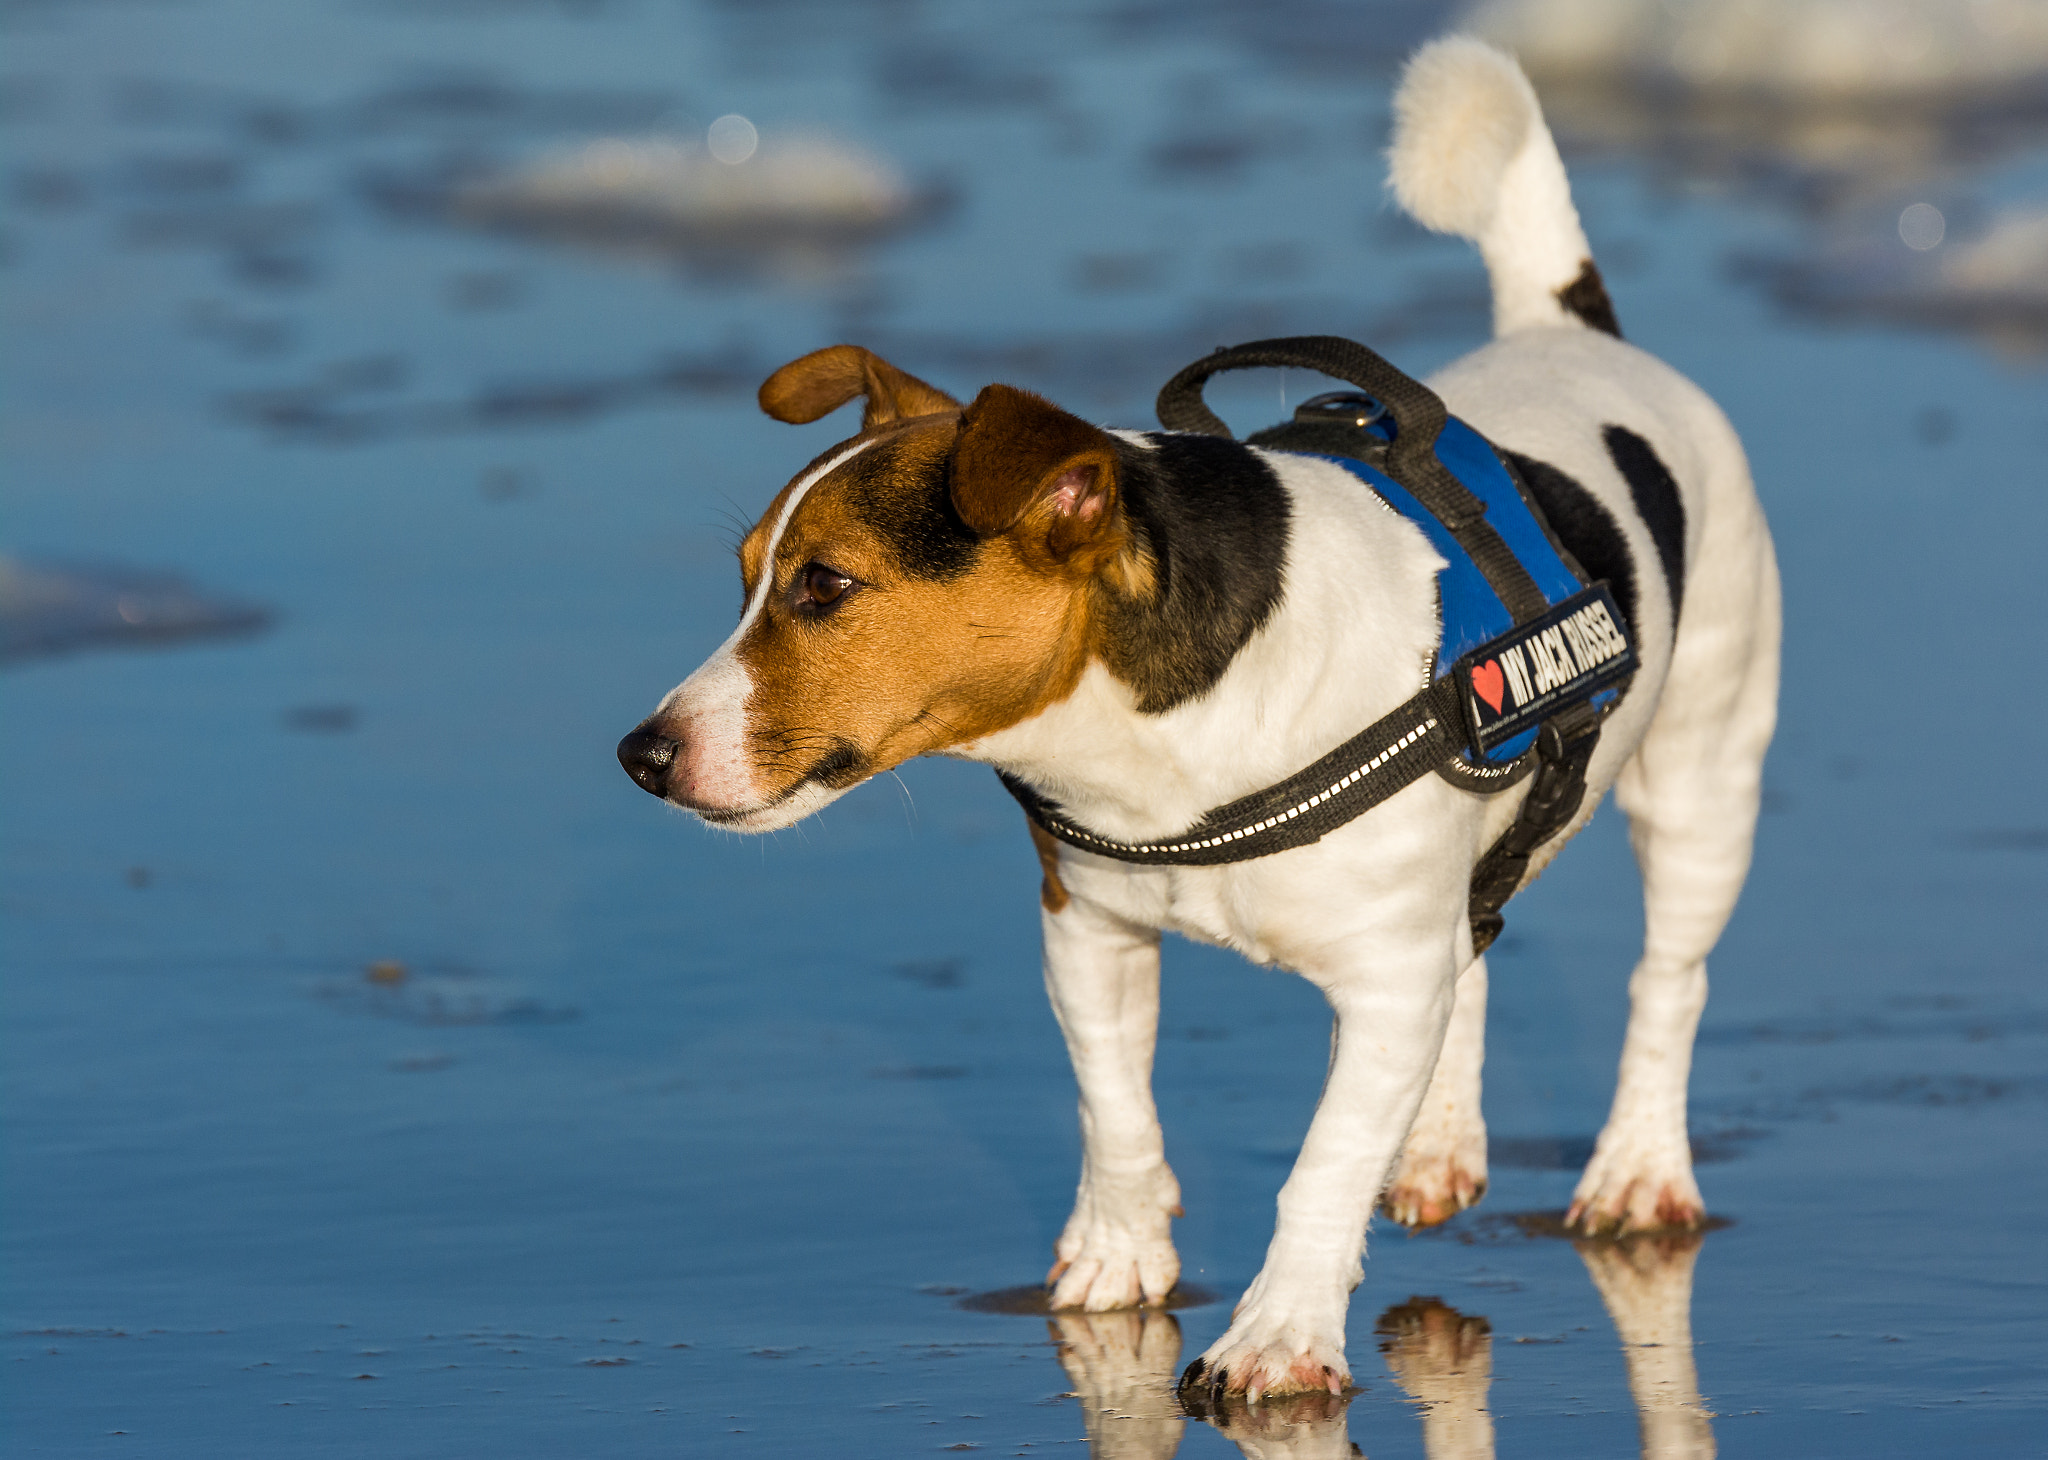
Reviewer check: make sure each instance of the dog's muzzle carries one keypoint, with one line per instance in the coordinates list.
(647, 758)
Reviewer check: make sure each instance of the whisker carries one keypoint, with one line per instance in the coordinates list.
(909, 801)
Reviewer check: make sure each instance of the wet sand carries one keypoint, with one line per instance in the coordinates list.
(385, 1074)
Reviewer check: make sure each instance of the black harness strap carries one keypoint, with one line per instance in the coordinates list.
(1419, 416)
(1563, 748)
(1387, 755)
(1434, 726)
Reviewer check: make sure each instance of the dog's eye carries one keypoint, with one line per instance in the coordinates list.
(824, 586)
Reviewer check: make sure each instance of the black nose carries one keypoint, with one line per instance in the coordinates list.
(647, 757)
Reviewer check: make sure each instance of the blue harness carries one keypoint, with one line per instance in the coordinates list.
(1472, 611)
(1531, 655)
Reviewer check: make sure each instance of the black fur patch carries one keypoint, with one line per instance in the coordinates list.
(1215, 519)
(917, 521)
(1586, 297)
(839, 767)
(1585, 529)
(1656, 497)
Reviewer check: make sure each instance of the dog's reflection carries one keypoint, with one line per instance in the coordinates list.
(1443, 1360)
(1646, 1283)
(1123, 1367)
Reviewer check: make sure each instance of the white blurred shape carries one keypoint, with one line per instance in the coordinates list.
(732, 139)
(1796, 49)
(1990, 283)
(1922, 226)
(662, 189)
(2010, 260)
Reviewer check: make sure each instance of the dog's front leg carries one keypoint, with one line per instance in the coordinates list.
(1117, 1249)
(1392, 1001)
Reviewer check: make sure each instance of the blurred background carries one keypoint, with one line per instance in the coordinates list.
(385, 1074)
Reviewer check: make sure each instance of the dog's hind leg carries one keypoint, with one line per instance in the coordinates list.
(1443, 1167)
(1691, 793)
(1117, 1249)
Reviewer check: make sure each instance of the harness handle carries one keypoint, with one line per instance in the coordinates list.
(1419, 418)
(1418, 412)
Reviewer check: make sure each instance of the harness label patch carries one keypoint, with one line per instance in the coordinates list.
(1539, 668)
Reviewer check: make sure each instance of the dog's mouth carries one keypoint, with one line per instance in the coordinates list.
(786, 809)
(834, 773)
(737, 819)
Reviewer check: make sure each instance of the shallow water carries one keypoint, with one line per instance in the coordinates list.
(385, 1074)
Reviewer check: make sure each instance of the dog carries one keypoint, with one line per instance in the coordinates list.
(1143, 626)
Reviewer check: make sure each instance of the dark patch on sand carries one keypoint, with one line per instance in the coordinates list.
(1034, 1299)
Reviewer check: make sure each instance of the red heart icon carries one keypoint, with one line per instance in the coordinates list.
(1489, 683)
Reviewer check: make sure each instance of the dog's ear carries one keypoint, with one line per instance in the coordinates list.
(824, 380)
(1022, 463)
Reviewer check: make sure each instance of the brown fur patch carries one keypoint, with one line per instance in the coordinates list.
(981, 547)
(824, 380)
(1013, 446)
(1052, 893)
(905, 663)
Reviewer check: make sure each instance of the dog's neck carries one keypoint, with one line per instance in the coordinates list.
(1345, 639)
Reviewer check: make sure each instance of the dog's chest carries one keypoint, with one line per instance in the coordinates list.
(1204, 904)
(1279, 911)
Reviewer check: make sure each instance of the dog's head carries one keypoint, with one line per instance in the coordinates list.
(926, 583)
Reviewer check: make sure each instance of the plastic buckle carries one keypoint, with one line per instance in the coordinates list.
(1352, 408)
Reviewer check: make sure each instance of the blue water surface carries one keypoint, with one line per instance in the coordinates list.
(386, 1075)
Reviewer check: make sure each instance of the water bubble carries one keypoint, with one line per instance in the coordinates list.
(732, 139)
(1922, 226)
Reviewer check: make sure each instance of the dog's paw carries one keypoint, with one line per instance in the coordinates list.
(1117, 1249)
(1637, 1186)
(1262, 1354)
(1435, 1182)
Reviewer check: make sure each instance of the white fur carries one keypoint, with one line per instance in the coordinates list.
(1461, 115)
(715, 768)
(1471, 156)
(1375, 913)
(1443, 1164)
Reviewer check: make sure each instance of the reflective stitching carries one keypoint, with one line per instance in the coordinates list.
(1078, 834)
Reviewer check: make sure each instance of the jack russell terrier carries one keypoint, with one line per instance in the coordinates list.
(1138, 627)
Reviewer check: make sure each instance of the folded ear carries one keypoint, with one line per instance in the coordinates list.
(1022, 461)
(827, 379)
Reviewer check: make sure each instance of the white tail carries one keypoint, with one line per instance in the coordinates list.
(1471, 156)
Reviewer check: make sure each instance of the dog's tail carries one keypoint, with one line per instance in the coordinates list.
(1472, 156)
